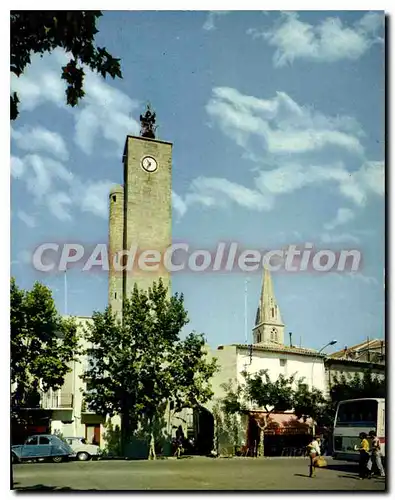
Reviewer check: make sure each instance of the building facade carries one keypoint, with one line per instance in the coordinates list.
(268, 352)
(355, 360)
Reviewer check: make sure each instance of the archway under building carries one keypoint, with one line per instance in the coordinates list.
(204, 431)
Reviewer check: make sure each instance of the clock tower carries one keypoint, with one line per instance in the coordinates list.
(140, 214)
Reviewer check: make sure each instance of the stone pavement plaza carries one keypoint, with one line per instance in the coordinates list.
(196, 473)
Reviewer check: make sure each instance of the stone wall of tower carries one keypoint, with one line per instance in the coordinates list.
(147, 215)
(116, 237)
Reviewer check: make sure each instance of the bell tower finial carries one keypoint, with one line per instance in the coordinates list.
(148, 127)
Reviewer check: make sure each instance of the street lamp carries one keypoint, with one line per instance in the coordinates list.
(332, 342)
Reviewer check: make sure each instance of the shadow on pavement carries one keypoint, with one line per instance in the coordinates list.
(352, 468)
(42, 487)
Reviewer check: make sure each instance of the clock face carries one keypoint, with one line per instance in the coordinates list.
(149, 164)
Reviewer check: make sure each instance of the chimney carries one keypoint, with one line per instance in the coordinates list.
(290, 339)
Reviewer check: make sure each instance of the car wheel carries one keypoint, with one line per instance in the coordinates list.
(83, 456)
(14, 458)
(57, 460)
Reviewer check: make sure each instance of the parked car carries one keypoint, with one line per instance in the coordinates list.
(42, 446)
(82, 450)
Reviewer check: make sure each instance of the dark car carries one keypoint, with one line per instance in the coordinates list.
(44, 446)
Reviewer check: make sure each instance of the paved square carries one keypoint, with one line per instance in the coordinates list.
(196, 473)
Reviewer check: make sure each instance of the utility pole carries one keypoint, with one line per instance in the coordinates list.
(65, 292)
(246, 311)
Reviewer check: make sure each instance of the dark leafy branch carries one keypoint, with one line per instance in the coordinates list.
(39, 32)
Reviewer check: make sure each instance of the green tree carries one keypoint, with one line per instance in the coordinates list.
(42, 343)
(261, 392)
(310, 403)
(35, 32)
(141, 366)
(365, 386)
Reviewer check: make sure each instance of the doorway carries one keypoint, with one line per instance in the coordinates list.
(92, 434)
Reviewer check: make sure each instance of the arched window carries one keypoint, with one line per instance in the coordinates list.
(274, 335)
(272, 312)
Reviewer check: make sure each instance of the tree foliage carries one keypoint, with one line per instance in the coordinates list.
(309, 403)
(141, 365)
(261, 393)
(367, 386)
(35, 32)
(42, 342)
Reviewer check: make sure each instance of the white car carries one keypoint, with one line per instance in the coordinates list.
(83, 451)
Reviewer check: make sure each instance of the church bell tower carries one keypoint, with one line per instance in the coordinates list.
(269, 328)
(140, 213)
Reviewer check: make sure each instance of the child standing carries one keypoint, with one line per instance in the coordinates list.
(314, 452)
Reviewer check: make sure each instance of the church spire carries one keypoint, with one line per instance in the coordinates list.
(268, 325)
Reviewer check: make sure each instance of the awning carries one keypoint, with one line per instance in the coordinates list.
(284, 423)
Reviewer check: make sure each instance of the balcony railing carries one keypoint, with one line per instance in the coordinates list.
(84, 407)
(56, 401)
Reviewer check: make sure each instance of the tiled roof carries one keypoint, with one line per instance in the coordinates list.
(284, 349)
(373, 344)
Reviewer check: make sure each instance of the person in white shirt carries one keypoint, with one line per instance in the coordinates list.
(376, 452)
(314, 452)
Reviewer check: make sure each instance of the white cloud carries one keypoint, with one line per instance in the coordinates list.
(57, 189)
(92, 197)
(40, 139)
(212, 192)
(343, 216)
(104, 112)
(328, 41)
(40, 173)
(368, 280)
(222, 190)
(339, 238)
(58, 204)
(282, 125)
(17, 167)
(212, 16)
(22, 257)
(178, 204)
(355, 186)
(29, 220)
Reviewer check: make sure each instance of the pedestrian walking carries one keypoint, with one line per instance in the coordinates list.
(376, 453)
(364, 455)
(314, 452)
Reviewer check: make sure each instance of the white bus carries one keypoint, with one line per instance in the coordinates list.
(352, 417)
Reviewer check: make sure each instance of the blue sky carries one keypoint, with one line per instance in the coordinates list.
(277, 121)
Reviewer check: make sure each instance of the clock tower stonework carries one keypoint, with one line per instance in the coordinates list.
(140, 217)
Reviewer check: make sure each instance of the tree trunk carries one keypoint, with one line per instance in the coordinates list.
(125, 433)
(262, 428)
(151, 452)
